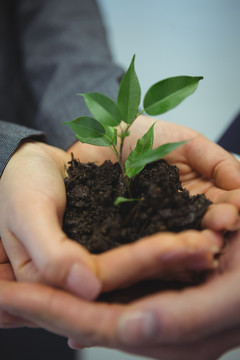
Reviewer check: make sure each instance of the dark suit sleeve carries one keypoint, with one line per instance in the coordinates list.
(64, 52)
(230, 140)
(60, 50)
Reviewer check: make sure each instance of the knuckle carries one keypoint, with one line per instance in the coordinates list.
(53, 269)
(54, 265)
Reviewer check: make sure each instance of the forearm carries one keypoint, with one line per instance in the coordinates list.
(64, 52)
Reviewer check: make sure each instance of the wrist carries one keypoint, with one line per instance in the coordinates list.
(37, 151)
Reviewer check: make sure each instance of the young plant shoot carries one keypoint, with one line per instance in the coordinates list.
(101, 129)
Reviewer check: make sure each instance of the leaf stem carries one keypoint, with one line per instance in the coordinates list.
(119, 158)
(115, 150)
(140, 112)
(122, 137)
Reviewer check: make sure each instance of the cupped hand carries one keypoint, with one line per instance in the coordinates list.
(39, 250)
(8, 320)
(198, 323)
(204, 167)
(32, 201)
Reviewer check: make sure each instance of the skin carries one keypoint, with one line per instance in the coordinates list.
(204, 167)
(200, 322)
(32, 199)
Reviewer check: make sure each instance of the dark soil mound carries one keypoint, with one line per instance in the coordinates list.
(92, 219)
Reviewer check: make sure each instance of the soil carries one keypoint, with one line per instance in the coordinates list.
(92, 219)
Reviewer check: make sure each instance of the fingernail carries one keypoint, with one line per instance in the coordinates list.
(83, 282)
(137, 327)
(215, 249)
(74, 345)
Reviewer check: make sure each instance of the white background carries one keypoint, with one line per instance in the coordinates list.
(180, 37)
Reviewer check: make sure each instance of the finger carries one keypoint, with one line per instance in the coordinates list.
(92, 324)
(212, 161)
(3, 254)
(59, 260)
(6, 272)
(231, 197)
(222, 217)
(193, 315)
(8, 321)
(95, 324)
(73, 344)
(210, 348)
(59, 312)
(157, 256)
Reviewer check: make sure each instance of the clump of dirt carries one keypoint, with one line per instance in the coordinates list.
(92, 219)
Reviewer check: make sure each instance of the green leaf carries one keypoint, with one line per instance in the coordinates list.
(167, 94)
(102, 141)
(103, 108)
(144, 144)
(121, 200)
(156, 154)
(89, 130)
(129, 94)
(111, 134)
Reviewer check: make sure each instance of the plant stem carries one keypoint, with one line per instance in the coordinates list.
(122, 137)
(119, 154)
(140, 112)
(119, 158)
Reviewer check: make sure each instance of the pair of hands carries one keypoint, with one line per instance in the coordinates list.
(34, 249)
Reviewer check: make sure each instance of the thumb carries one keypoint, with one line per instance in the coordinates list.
(59, 261)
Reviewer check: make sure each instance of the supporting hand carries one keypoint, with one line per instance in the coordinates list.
(6, 274)
(199, 322)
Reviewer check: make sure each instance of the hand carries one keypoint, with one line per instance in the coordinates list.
(16, 298)
(199, 322)
(32, 198)
(6, 273)
(89, 333)
(204, 168)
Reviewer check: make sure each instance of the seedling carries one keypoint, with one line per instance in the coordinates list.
(112, 120)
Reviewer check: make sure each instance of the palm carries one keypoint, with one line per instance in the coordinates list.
(203, 165)
(190, 176)
(202, 170)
